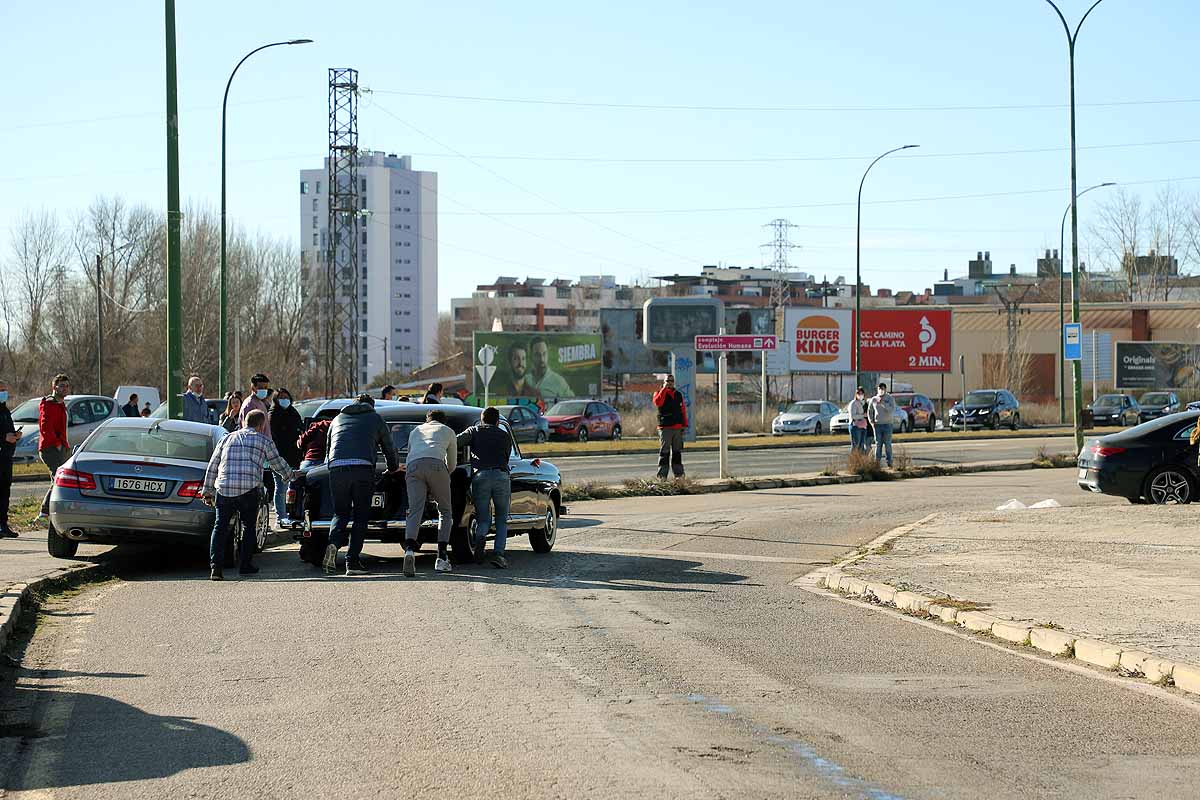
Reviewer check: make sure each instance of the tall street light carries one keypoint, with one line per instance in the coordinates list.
(1076, 367)
(1062, 347)
(222, 354)
(858, 262)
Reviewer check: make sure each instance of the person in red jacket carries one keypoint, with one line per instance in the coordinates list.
(672, 421)
(53, 447)
(312, 443)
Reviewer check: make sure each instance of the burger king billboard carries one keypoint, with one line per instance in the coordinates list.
(819, 339)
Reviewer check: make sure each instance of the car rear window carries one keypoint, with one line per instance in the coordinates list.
(159, 442)
(27, 411)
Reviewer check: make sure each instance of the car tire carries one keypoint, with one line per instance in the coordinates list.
(477, 551)
(542, 539)
(540, 438)
(1016, 422)
(460, 543)
(616, 434)
(817, 429)
(262, 525)
(583, 433)
(60, 546)
(233, 542)
(931, 426)
(1167, 485)
(994, 421)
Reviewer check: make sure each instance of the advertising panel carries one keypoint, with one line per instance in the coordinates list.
(674, 322)
(540, 365)
(624, 350)
(1157, 365)
(748, 321)
(819, 339)
(905, 340)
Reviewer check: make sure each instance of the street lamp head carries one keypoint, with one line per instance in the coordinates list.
(909, 146)
(1109, 183)
(300, 41)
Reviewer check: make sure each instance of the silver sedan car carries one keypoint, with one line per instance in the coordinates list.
(138, 480)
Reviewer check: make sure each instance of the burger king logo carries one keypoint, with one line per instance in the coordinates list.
(818, 339)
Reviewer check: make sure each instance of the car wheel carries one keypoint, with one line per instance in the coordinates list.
(616, 433)
(817, 429)
(477, 547)
(233, 542)
(462, 543)
(262, 525)
(931, 426)
(308, 542)
(994, 422)
(583, 433)
(1016, 421)
(1167, 485)
(60, 546)
(542, 539)
(540, 438)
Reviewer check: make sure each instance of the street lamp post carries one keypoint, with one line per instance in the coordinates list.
(1076, 370)
(221, 356)
(1062, 347)
(858, 262)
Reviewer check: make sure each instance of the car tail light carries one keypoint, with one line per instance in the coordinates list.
(1102, 451)
(73, 479)
(190, 489)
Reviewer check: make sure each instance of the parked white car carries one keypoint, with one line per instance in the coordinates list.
(805, 416)
(84, 413)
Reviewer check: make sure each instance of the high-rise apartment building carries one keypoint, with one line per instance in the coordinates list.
(397, 259)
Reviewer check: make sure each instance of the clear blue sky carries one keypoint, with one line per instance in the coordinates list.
(84, 107)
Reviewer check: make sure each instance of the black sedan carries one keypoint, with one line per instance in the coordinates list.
(1150, 463)
(536, 494)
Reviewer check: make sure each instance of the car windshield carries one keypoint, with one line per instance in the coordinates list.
(27, 411)
(1108, 401)
(306, 408)
(981, 398)
(572, 409)
(804, 408)
(1156, 399)
(156, 441)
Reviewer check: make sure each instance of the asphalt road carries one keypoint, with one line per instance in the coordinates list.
(659, 652)
(780, 461)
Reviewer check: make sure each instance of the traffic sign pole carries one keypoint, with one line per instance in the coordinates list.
(723, 411)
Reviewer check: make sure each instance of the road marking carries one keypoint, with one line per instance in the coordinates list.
(629, 551)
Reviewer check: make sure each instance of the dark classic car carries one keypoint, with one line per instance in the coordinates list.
(536, 493)
(1154, 462)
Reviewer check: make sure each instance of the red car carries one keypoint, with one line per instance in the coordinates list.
(583, 419)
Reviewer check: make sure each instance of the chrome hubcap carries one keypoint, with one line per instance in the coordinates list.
(1170, 487)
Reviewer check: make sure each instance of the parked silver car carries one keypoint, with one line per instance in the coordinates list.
(84, 413)
(805, 416)
(139, 479)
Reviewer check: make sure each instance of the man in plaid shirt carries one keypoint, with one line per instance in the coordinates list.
(232, 482)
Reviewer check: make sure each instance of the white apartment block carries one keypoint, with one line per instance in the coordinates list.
(397, 257)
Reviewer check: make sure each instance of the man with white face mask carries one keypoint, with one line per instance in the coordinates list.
(256, 400)
(881, 411)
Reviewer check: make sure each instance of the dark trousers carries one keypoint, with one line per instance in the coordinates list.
(352, 488)
(670, 451)
(53, 458)
(244, 506)
(5, 490)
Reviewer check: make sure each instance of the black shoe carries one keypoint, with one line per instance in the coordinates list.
(8, 533)
(250, 570)
(355, 567)
(499, 561)
(216, 575)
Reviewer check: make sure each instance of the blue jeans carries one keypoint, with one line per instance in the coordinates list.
(352, 488)
(244, 506)
(883, 439)
(488, 487)
(281, 488)
(858, 439)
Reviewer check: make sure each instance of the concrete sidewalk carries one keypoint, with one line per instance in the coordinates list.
(1111, 577)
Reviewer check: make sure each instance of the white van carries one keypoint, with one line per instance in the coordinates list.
(146, 394)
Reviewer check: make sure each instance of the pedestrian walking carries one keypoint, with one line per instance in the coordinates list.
(490, 447)
(232, 484)
(312, 443)
(9, 435)
(672, 421)
(130, 409)
(286, 426)
(53, 447)
(858, 421)
(195, 409)
(355, 438)
(433, 394)
(387, 393)
(231, 417)
(881, 412)
(257, 398)
(432, 456)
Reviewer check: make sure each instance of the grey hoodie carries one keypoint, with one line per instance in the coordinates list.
(881, 409)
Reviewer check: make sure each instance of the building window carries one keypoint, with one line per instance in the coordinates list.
(318, 187)
(364, 360)
(408, 244)
(408, 227)
(364, 326)
(314, 222)
(364, 307)
(364, 184)
(315, 234)
(364, 237)
(304, 188)
(364, 272)
(364, 343)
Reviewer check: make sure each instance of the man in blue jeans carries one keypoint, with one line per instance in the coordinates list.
(355, 437)
(490, 446)
(881, 412)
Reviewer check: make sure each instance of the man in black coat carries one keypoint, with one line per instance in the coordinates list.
(286, 427)
(8, 443)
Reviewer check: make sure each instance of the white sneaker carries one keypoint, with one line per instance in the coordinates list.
(410, 563)
(442, 565)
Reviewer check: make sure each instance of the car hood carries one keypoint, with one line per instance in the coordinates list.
(555, 420)
(805, 417)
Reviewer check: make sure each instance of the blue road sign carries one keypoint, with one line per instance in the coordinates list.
(1073, 341)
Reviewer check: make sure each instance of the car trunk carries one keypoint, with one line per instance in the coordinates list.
(136, 479)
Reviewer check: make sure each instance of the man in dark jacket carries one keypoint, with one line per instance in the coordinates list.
(490, 446)
(8, 443)
(285, 430)
(131, 409)
(672, 421)
(355, 437)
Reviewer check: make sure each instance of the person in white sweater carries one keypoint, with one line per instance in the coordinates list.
(432, 456)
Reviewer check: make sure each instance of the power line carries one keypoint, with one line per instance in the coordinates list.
(776, 109)
(63, 123)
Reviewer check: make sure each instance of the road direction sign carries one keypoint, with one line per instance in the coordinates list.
(735, 341)
(1073, 341)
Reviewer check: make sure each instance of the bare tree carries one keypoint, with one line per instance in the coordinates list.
(444, 345)
(1170, 221)
(37, 256)
(1118, 233)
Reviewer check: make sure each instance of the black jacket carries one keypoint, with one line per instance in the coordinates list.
(358, 432)
(6, 427)
(490, 446)
(286, 427)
